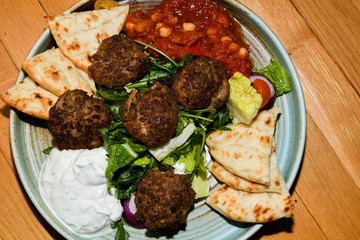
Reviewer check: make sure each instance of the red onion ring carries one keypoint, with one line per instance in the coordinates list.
(270, 104)
(129, 214)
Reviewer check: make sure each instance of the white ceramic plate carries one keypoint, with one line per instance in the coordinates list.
(29, 136)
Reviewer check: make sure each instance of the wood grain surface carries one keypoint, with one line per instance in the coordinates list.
(323, 40)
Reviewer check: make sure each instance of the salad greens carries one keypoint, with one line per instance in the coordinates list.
(278, 76)
(121, 233)
(129, 161)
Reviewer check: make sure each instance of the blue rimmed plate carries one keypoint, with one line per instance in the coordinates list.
(29, 136)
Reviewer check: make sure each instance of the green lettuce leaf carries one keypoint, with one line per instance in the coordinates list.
(278, 76)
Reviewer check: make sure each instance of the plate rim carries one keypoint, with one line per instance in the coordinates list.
(293, 74)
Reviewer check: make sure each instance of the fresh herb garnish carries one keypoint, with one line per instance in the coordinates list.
(47, 150)
(121, 233)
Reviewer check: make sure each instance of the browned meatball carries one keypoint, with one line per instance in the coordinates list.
(201, 83)
(163, 199)
(76, 119)
(117, 62)
(151, 117)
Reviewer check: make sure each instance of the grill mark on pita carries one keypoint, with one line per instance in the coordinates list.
(232, 135)
(265, 140)
(52, 73)
(101, 36)
(69, 68)
(273, 150)
(263, 214)
(287, 200)
(57, 25)
(92, 18)
(237, 155)
(268, 122)
(286, 209)
(74, 46)
(50, 102)
(38, 60)
(38, 95)
(277, 182)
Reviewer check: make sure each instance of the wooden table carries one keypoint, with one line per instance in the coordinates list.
(323, 40)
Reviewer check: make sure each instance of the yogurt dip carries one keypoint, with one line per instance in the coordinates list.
(74, 187)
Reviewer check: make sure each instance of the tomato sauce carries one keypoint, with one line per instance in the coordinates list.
(200, 27)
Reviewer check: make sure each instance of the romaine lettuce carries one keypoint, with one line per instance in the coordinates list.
(277, 76)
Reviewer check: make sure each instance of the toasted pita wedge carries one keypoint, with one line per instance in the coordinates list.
(244, 206)
(239, 183)
(79, 34)
(242, 161)
(265, 121)
(245, 150)
(28, 97)
(242, 135)
(56, 73)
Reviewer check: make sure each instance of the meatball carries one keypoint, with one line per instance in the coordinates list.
(201, 83)
(76, 119)
(117, 62)
(151, 117)
(163, 199)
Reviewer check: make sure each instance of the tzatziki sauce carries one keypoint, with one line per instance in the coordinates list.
(74, 187)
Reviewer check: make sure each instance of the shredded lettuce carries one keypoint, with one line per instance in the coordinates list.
(128, 161)
(161, 152)
(277, 76)
(200, 185)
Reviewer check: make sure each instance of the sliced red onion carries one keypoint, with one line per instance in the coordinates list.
(129, 212)
(270, 104)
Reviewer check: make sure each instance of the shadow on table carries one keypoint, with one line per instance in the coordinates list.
(281, 225)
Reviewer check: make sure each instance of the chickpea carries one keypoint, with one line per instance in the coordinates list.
(243, 53)
(130, 26)
(189, 27)
(165, 32)
(234, 47)
(159, 25)
(225, 38)
(211, 31)
(172, 20)
(156, 17)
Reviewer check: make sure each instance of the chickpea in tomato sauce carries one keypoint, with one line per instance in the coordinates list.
(200, 27)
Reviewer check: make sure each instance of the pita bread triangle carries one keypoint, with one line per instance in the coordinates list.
(244, 206)
(28, 97)
(79, 34)
(240, 183)
(56, 73)
(245, 150)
